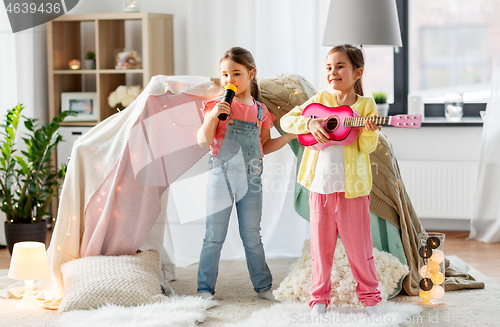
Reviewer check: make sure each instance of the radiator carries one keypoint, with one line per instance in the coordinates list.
(439, 189)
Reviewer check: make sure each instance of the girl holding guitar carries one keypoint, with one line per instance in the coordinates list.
(339, 180)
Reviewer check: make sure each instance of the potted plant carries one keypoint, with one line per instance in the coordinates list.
(90, 60)
(381, 102)
(27, 180)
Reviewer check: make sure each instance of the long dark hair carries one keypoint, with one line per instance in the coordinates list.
(244, 57)
(357, 59)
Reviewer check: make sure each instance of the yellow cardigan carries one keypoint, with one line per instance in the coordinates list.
(358, 172)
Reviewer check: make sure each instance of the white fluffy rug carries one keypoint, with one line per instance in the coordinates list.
(177, 311)
(298, 314)
(296, 285)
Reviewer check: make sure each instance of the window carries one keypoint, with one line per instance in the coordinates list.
(378, 75)
(450, 57)
(452, 45)
(449, 46)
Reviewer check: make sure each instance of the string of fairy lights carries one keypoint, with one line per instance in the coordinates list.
(432, 271)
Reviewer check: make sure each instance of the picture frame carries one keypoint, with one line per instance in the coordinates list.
(85, 103)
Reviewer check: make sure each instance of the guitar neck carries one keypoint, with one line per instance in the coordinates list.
(360, 121)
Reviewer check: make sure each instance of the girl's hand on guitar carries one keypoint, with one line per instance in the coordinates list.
(371, 126)
(317, 130)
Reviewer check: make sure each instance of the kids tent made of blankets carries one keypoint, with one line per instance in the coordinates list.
(113, 199)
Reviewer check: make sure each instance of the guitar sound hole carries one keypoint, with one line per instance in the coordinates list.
(331, 125)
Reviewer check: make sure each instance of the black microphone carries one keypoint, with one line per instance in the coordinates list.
(228, 97)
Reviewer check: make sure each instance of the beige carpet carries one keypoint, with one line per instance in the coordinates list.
(237, 300)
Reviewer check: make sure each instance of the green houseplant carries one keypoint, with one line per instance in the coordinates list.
(27, 180)
(90, 60)
(380, 99)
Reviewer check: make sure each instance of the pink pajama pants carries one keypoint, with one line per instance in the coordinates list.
(330, 215)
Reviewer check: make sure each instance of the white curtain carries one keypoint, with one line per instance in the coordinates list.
(8, 80)
(485, 223)
(23, 75)
(284, 36)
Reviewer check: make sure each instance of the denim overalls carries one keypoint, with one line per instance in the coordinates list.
(235, 177)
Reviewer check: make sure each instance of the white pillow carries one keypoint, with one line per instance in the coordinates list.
(127, 280)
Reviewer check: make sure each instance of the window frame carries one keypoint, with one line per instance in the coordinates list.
(401, 74)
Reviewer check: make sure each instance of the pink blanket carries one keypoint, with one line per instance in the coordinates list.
(160, 148)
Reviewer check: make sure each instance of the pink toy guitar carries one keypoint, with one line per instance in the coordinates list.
(343, 124)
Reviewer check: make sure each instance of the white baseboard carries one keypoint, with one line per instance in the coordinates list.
(445, 224)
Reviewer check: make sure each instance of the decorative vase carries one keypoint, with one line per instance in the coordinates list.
(89, 64)
(453, 106)
(431, 267)
(25, 232)
(383, 109)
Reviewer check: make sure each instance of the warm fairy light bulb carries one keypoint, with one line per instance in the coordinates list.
(433, 267)
(425, 296)
(437, 256)
(437, 291)
(437, 278)
(426, 284)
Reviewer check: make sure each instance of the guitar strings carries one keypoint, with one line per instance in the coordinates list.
(360, 121)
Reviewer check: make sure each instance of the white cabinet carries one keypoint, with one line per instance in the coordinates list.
(70, 135)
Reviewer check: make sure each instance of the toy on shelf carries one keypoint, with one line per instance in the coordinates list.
(128, 60)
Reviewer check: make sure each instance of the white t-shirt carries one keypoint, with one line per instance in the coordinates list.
(329, 175)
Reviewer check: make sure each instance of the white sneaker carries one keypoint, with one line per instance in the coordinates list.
(373, 311)
(206, 295)
(267, 295)
(318, 309)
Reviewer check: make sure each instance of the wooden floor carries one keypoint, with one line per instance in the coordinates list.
(484, 257)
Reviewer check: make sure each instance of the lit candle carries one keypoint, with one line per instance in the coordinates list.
(74, 64)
